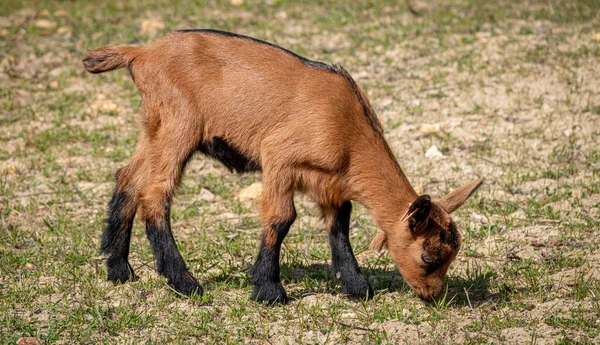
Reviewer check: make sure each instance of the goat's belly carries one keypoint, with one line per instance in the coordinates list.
(236, 161)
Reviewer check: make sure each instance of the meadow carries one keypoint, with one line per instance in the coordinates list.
(508, 91)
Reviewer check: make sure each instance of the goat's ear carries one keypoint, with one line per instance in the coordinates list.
(458, 196)
(379, 242)
(418, 212)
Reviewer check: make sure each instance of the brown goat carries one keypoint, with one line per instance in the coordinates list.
(306, 125)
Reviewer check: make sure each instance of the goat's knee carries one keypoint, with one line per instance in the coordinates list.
(344, 264)
(155, 211)
(154, 202)
(278, 217)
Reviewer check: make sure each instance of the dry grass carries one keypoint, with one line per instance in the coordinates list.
(507, 92)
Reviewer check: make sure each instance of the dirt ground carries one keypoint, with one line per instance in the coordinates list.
(509, 92)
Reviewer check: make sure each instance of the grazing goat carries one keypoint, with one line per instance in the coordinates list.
(306, 125)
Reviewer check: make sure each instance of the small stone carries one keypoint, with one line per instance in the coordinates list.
(29, 266)
(237, 2)
(4, 32)
(418, 7)
(206, 195)
(386, 102)
(477, 218)
(597, 36)
(415, 103)
(430, 128)
(434, 153)
(53, 84)
(63, 30)
(467, 169)
(252, 192)
(360, 75)
(45, 24)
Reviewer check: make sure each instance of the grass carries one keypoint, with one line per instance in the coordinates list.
(511, 87)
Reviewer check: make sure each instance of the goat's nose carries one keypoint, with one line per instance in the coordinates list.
(425, 294)
(428, 294)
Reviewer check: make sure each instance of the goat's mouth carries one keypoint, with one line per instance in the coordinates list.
(424, 294)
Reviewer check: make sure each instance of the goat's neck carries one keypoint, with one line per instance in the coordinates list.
(380, 184)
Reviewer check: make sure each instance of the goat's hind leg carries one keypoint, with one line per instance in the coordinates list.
(169, 156)
(121, 213)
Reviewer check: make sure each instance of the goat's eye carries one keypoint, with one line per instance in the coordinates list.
(426, 259)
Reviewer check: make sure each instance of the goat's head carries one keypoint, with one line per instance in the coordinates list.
(425, 241)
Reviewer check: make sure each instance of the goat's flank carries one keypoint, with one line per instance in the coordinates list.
(306, 125)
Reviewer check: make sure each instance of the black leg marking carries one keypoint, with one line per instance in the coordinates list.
(169, 262)
(265, 274)
(116, 238)
(345, 267)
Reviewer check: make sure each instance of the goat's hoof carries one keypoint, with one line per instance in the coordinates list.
(358, 288)
(187, 285)
(270, 293)
(120, 272)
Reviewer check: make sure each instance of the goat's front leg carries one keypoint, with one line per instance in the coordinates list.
(344, 264)
(279, 214)
(169, 160)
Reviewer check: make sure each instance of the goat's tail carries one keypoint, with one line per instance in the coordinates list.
(108, 58)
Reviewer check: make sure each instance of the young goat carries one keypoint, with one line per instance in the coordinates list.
(306, 125)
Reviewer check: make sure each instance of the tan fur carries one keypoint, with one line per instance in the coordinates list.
(305, 126)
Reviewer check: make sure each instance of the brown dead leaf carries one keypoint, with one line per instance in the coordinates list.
(552, 243)
(490, 307)
(571, 283)
(63, 30)
(29, 341)
(45, 24)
